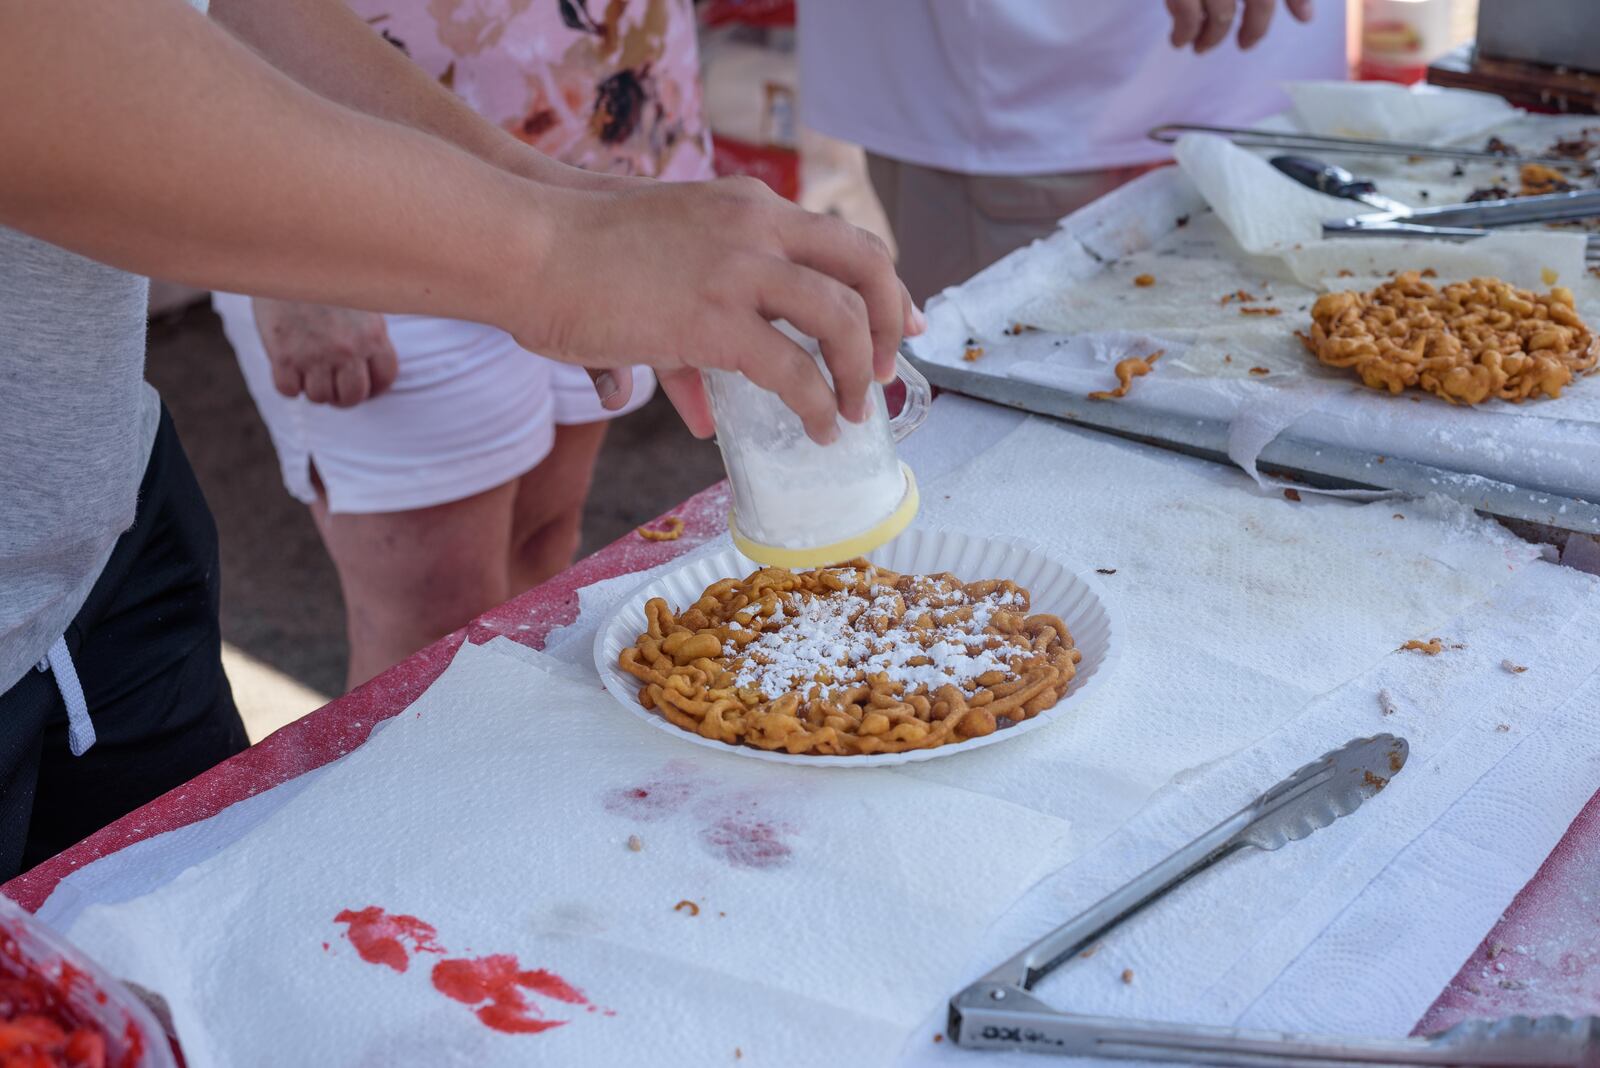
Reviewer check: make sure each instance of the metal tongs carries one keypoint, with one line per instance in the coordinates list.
(1450, 222)
(1000, 1011)
(1320, 143)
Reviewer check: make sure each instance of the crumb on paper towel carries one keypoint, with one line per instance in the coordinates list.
(672, 530)
(1091, 951)
(1239, 295)
(1386, 703)
(1105, 571)
(635, 843)
(1539, 180)
(1431, 647)
(1514, 668)
(1260, 311)
(1144, 280)
(937, 1037)
(738, 1054)
(1127, 976)
(1397, 515)
(1126, 371)
(1291, 494)
(973, 353)
(1502, 728)
(687, 905)
(1259, 371)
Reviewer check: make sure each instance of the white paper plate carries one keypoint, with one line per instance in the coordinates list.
(1056, 587)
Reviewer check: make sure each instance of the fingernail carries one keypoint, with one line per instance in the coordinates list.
(605, 384)
(858, 411)
(919, 321)
(830, 434)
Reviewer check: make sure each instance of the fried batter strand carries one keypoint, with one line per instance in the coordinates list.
(1126, 371)
(883, 680)
(1467, 343)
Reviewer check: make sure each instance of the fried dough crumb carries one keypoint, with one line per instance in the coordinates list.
(671, 531)
(1126, 371)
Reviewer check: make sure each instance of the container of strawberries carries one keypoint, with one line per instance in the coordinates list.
(58, 1009)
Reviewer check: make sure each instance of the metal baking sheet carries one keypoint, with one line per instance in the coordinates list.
(1137, 217)
(1318, 465)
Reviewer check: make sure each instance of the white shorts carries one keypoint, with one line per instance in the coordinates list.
(470, 410)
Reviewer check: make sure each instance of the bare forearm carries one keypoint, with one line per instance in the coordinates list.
(326, 47)
(139, 134)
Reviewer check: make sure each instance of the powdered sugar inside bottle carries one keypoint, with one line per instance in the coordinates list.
(794, 499)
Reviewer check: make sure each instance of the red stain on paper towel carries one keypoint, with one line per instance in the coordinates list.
(500, 980)
(495, 983)
(381, 938)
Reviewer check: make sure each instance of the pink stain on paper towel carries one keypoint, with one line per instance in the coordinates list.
(497, 984)
(745, 841)
(657, 799)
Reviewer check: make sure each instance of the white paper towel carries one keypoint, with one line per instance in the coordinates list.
(1355, 929)
(1386, 112)
(1265, 210)
(1134, 797)
(497, 809)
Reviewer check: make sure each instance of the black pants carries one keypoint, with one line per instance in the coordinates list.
(148, 650)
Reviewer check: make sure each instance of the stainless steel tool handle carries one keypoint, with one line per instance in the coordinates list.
(1353, 228)
(1314, 796)
(1318, 142)
(1020, 1021)
(1074, 936)
(1513, 211)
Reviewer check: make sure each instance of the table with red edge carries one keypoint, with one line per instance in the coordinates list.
(1542, 957)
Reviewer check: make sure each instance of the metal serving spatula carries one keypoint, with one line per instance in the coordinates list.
(1000, 1012)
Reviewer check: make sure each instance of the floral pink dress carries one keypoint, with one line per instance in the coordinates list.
(607, 85)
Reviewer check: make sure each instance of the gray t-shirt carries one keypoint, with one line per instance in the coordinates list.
(77, 421)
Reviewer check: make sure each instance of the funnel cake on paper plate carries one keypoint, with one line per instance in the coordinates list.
(1468, 342)
(847, 660)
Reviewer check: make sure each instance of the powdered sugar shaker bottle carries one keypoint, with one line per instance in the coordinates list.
(800, 504)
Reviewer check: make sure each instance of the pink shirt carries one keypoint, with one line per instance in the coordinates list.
(607, 85)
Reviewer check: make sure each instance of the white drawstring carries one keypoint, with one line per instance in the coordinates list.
(80, 728)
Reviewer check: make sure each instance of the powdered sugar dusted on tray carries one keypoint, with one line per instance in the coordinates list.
(844, 639)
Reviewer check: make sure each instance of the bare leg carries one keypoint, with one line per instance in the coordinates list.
(410, 578)
(547, 518)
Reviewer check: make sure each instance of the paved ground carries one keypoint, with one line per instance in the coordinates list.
(282, 617)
